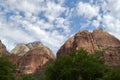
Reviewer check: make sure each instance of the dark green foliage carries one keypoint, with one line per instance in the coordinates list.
(26, 77)
(31, 77)
(6, 69)
(112, 74)
(115, 74)
(78, 65)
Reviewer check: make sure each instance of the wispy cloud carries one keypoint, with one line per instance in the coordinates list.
(87, 10)
(54, 21)
(101, 14)
(27, 20)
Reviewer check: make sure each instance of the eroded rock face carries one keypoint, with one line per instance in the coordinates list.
(34, 60)
(22, 48)
(31, 58)
(2, 48)
(96, 40)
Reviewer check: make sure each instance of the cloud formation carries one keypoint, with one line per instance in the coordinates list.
(53, 21)
(24, 21)
(87, 10)
(101, 14)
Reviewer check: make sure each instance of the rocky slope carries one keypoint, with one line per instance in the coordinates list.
(31, 58)
(2, 48)
(22, 48)
(96, 40)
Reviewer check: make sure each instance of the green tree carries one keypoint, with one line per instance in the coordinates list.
(78, 65)
(6, 69)
(112, 74)
(26, 77)
(31, 77)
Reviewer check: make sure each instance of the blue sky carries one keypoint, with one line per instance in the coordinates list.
(54, 21)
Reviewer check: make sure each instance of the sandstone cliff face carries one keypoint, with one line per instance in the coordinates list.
(22, 48)
(96, 40)
(31, 58)
(2, 48)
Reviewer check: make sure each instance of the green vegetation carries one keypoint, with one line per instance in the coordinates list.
(78, 65)
(31, 77)
(6, 69)
(112, 74)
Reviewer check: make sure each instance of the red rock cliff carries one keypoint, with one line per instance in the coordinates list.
(31, 58)
(96, 40)
(2, 48)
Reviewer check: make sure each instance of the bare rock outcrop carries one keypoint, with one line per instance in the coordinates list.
(92, 41)
(22, 48)
(31, 58)
(2, 48)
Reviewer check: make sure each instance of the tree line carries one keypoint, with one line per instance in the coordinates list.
(77, 65)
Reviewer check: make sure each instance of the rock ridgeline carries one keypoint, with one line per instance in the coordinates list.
(2, 49)
(92, 41)
(22, 49)
(31, 58)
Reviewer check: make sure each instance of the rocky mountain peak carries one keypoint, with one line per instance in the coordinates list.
(92, 41)
(22, 48)
(31, 58)
(33, 45)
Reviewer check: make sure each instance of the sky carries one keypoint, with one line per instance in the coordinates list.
(54, 21)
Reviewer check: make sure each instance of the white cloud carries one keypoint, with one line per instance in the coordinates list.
(96, 23)
(112, 24)
(32, 20)
(106, 13)
(13, 33)
(64, 23)
(53, 10)
(29, 26)
(111, 20)
(87, 10)
(114, 7)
